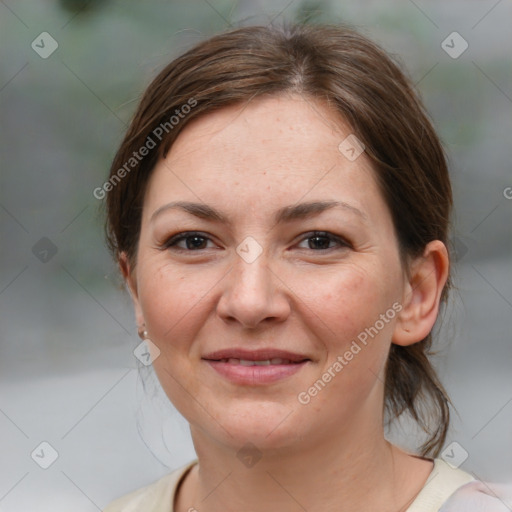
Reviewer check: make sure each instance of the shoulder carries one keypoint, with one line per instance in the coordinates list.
(478, 496)
(450, 489)
(156, 497)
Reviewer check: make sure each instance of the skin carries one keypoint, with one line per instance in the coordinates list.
(247, 162)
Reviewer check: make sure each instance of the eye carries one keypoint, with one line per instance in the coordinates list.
(196, 241)
(320, 240)
(193, 241)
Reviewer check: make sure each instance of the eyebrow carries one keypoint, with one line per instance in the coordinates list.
(284, 214)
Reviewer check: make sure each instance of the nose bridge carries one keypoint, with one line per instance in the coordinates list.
(251, 294)
(251, 277)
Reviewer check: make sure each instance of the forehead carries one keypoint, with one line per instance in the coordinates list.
(277, 129)
(271, 150)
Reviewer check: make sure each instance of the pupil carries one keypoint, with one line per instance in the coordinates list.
(198, 241)
(324, 245)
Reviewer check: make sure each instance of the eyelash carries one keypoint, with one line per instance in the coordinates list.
(174, 240)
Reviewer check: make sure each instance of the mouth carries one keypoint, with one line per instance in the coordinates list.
(264, 362)
(255, 367)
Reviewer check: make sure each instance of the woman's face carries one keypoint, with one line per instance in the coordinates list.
(305, 294)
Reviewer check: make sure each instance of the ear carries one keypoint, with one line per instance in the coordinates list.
(131, 283)
(422, 294)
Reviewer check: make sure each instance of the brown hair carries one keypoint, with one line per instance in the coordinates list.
(363, 84)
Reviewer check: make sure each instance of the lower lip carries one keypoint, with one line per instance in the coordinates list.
(255, 375)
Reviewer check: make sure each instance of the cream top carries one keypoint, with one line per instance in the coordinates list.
(446, 490)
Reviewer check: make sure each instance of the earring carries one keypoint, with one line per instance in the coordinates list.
(149, 351)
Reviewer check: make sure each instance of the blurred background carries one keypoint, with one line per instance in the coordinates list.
(77, 426)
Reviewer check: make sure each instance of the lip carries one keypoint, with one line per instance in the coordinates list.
(255, 375)
(254, 355)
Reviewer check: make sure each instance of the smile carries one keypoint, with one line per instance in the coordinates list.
(255, 367)
(248, 362)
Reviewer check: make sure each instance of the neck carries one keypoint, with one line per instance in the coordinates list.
(363, 474)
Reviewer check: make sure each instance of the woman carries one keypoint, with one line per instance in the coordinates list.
(279, 209)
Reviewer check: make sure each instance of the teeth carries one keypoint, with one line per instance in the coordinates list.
(245, 362)
(266, 362)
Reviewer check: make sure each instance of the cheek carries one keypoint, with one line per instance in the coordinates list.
(345, 320)
(343, 300)
(171, 301)
(350, 314)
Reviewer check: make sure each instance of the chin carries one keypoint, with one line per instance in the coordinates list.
(267, 425)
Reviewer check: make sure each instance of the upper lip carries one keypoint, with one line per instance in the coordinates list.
(262, 354)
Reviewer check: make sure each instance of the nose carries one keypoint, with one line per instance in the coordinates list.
(253, 294)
